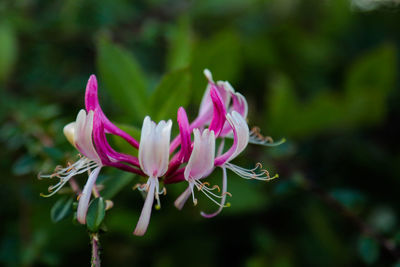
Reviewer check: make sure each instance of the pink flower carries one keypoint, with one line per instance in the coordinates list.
(200, 165)
(222, 114)
(87, 135)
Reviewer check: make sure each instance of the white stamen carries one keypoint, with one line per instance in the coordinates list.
(256, 173)
(81, 166)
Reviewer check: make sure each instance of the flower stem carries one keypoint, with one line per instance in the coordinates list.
(94, 239)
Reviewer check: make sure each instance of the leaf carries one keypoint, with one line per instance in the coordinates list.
(114, 184)
(123, 78)
(172, 93)
(180, 45)
(363, 101)
(8, 50)
(369, 81)
(23, 165)
(95, 214)
(368, 250)
(61, 209)
(121, 144)
(221, 54)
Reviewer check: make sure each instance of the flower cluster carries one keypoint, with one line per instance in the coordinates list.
(190, 157)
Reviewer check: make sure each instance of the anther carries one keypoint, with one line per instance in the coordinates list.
(217, 187)
(227, 193)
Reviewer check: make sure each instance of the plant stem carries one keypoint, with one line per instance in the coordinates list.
(94, 239)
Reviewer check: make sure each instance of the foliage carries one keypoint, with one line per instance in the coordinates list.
(322, 74)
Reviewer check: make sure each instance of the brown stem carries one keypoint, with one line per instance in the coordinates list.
(94, 239)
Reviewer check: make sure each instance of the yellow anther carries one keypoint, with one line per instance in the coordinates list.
(157, 207)
(227, 205)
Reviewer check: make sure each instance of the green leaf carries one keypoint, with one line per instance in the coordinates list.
(368, 249)
(23, 165)
(172, 92)
(369, 81)
(180, 45)
(61, 209)
(121, 144)
(95, 214)
(123, 78)
(221, 54)
(363, 101)
(8, 50)
(114, 184)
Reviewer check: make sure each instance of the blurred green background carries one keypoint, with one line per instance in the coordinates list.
(322, 74)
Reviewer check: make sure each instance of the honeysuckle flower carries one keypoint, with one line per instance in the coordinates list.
(222, 114)
(153, 158)
(87, 135)
(200, 164)
(224, 111)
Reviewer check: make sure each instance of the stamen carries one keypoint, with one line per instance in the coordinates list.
(216, 187)
(194, 199)
(226, 193)
(64, 174)
(255, 137)
(256, 173)
(158, 205)
(207, 192)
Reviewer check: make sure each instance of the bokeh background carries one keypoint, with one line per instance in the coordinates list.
(322, 74)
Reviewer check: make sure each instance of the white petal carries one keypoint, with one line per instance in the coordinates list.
(181, 200)
(154, 147)
(242, 131)
(144, 218)
(85, 196)
(208, 74)
(83, 135)
(69, 132)
(201, 161)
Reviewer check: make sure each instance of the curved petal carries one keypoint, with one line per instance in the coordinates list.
(201, 160)
(181, 200)
(219, 112)
(92, 103)
(85, 196)
(184, 134)
(144, 218)
(154, 147)
(83, 135)
(240, 138)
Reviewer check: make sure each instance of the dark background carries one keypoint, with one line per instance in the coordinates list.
(322, 74)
